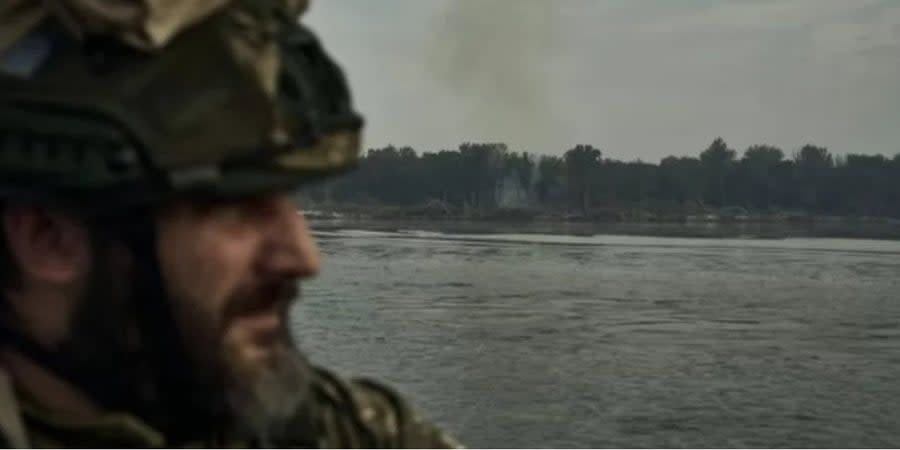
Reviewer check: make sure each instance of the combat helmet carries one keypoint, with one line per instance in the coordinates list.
(112, 104)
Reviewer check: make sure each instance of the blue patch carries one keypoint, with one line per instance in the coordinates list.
(26, 56)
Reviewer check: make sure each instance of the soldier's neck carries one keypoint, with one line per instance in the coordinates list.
(44, 387)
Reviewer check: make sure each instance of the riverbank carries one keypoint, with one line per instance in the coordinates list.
(885, 230)
(440, 211)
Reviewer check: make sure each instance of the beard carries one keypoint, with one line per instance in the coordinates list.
(128, 360)
(270, 405)
(267, 399)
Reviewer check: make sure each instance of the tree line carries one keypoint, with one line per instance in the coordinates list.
(480, 177)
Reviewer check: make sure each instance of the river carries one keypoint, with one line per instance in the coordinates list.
(530, 340)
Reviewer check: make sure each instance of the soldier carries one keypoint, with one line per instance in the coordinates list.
(150, 248)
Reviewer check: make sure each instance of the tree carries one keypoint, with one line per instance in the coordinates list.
(441, 175)
(482, 166)
(550, 175)
(813, 164)
(865, 185)
(680, 180)
(526, 172)
(480, 174)
(811, 158)
(717, 161)
(759, 170)
(519, 170)
(582, 163)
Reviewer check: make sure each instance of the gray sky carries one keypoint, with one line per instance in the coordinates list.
(635, 78)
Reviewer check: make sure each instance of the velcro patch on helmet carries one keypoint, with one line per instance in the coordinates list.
(194, 176)
(26, 56)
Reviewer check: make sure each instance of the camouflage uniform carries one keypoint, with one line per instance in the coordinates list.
(111, 105)
(357, 414)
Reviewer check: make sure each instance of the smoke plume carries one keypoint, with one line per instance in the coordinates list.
(495, 55)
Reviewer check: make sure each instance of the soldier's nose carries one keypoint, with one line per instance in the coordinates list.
(290, 250)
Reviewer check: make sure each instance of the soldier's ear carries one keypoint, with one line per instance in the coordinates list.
(48, 247)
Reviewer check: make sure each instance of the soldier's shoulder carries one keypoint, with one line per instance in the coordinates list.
(12, 429)
(362, 412)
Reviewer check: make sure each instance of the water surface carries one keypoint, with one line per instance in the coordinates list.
(524, 340)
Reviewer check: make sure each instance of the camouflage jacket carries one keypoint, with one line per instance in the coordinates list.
(347, 414)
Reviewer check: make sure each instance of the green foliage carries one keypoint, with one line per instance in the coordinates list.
(717, 161)
(551, 176)
(582, 165)
(481, 177)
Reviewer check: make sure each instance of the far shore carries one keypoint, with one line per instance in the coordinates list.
(707, 226)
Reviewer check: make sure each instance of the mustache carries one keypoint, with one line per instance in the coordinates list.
(282, 292)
